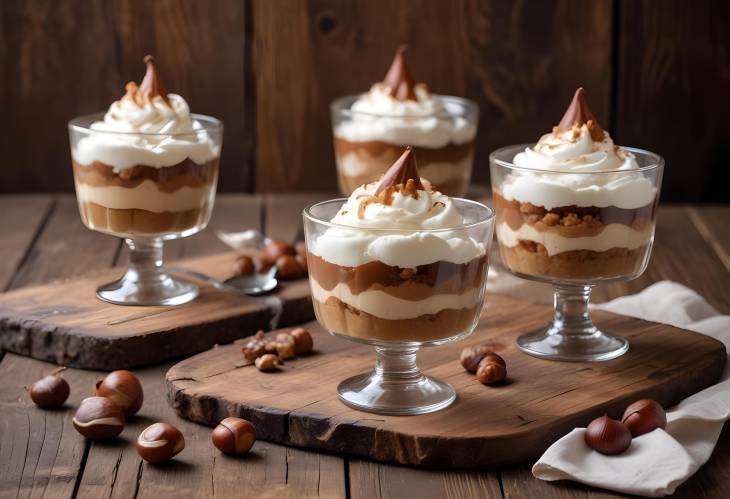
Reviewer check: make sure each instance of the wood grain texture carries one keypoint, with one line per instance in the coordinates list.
(673, 68)
(65, 322)
(66, 59)
(484, 427)
(378, 481)
(520, 62)
(20, 220)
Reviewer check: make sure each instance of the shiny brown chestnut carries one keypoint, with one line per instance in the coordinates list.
(50, 391)
(471, 357)
(287, 267)
(492, 369)
(98, 418)
(124, 389)
(643, 416)
(159, 442)
(607, 436)
(303, 341)
(234, 436)
(277, 248)
(243, 265)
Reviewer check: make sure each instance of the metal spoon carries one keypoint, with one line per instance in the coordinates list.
(252, 285)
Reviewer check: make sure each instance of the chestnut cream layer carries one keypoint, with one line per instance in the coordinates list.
(396, 293)
(572, 228)
(181, 187)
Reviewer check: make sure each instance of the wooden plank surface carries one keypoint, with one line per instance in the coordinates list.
(484, 427)
(520, 64)
(711, 481)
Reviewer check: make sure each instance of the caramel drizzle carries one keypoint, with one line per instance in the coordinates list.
(385, 196)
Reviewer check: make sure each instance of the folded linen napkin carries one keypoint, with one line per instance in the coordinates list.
(657, 462)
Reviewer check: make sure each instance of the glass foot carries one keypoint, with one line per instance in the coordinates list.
(146, 283)
(396, 387)
(127, 291)
(572, 336)
(549, 344)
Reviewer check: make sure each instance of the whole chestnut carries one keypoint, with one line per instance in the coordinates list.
(50, 391)
(98, 418)
(124, 389)
(643, 416)
(285, 350)
(302, 261)
(303, 341)
(159, 442)
(234, 436)
(287, 267)
(471, 357)
(607, 436)
(277, 248)
(243, 265)
(492, 369)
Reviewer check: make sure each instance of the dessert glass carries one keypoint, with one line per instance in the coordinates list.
(383, 309)
(377, 140)
(590, 245)
(146, 205)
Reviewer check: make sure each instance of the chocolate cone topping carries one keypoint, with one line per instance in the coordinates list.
(399, 77)
(152, 85)
(579, 113)
(401, 172)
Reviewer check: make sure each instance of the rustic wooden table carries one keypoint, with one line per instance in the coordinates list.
(42, 239)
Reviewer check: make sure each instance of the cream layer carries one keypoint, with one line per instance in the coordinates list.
(385, 306)
(145, 196)
(612, 236)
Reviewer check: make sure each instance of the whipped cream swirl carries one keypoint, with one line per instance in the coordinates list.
(397, 233)
(594, 173)
(575, 151)
(150, 132)
(425, 122)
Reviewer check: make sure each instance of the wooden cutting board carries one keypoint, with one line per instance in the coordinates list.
(486, 426)
(65, 323)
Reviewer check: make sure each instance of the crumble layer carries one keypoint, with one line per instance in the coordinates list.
(344, 319)
(168, 178)
(533, 259)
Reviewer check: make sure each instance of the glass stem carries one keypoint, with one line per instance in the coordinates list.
(145, 261)
(397, 365)
(571, 313)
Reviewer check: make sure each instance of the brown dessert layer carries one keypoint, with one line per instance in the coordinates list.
(450, 153)
(413, 284)
(168, 178)
(571, 221)
(377, 156)
(341, 318)
(531, 258)
(143, 222)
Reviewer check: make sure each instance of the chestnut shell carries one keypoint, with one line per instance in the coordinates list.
(607, 436)
(643, 416)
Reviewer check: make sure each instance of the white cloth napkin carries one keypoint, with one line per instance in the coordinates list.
(657, 462)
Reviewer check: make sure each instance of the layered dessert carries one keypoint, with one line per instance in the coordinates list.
(371, 130)
(575, 206)
(147, 168)
(396, 264)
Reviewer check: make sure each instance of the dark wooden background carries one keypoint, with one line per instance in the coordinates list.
(657, 74)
